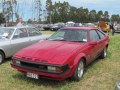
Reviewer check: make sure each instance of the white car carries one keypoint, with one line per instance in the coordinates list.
(13, 39)
(117, 28)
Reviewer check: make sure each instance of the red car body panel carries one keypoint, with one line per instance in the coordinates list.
(55, 52)
(60, 53)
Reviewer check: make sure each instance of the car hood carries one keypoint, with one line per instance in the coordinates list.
(50, 51)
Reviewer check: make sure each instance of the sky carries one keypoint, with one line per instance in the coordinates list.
(112, 6)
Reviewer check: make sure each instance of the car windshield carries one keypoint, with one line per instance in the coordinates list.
(6, 32)
(70, 35)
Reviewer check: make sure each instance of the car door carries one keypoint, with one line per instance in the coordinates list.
(34, 35)
(101, 41)
(94, 37)
(19, 40)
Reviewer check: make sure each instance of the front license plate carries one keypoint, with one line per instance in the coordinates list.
(32, 75)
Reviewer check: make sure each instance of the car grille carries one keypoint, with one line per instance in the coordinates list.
(33, 65)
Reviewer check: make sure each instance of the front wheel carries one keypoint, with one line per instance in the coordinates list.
(1, 57)
(79, 71)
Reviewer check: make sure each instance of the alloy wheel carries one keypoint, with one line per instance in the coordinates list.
(80, 69)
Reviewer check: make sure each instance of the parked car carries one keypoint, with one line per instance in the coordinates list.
(117, 28)
(57, 26)
(92, 25)
(12, 39)
(65, 54)
(78, 25)
(47, 26)
(70, 24)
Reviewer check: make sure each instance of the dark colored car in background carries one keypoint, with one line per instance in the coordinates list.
(47, 26)
(57, 26)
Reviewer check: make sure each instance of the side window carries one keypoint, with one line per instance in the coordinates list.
(33, 32)
(20, 33)
(102, 36)
(94, 36)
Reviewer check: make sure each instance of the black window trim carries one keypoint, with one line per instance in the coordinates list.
(99, 35)
(96, 32)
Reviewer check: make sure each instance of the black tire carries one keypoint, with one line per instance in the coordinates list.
(2, 56)
(104, 53)
(78, 74)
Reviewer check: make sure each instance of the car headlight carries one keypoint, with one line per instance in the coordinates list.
(16, 61)
(53, 68)
(57, 68)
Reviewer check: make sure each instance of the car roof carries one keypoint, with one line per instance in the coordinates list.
(15, 27)
(79, 28)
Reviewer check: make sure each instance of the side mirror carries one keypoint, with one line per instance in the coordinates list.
(93, 43)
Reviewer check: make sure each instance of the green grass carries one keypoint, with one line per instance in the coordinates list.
(47, 32)
(100, 75)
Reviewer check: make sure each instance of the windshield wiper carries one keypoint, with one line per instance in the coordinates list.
(58, 39)
(78, 41)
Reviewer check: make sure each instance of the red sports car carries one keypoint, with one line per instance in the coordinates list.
(63, 55)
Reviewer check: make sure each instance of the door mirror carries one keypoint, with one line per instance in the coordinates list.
(94, 43)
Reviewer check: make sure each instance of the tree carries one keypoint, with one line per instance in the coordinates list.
(115, 18)
(29, 21)
(92, 16)
(9, 9)
(49, 8)
(106, 16)
(2, 19)
(99, 14)
(14, 9)
(63, 12)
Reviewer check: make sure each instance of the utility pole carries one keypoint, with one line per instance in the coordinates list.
(39, 10)
(12, 4)
(36, 10)
(3, 10)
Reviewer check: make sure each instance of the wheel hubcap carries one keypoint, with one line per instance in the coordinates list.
(105, 52)
(80, 69)
(1, 58)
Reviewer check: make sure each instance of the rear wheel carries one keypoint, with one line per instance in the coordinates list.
(104, 53)
(79, 71)
(1, 57)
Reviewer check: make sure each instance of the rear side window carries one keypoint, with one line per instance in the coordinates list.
(102, 36)
(20, 33)
(33, 32)
(94, 36)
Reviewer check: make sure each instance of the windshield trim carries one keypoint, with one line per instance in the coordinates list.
(62, 39)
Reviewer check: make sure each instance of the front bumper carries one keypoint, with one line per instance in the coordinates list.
(42, 73)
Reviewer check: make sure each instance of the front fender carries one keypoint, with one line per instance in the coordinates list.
(78, 57)
(1, 49)
(75, 63)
